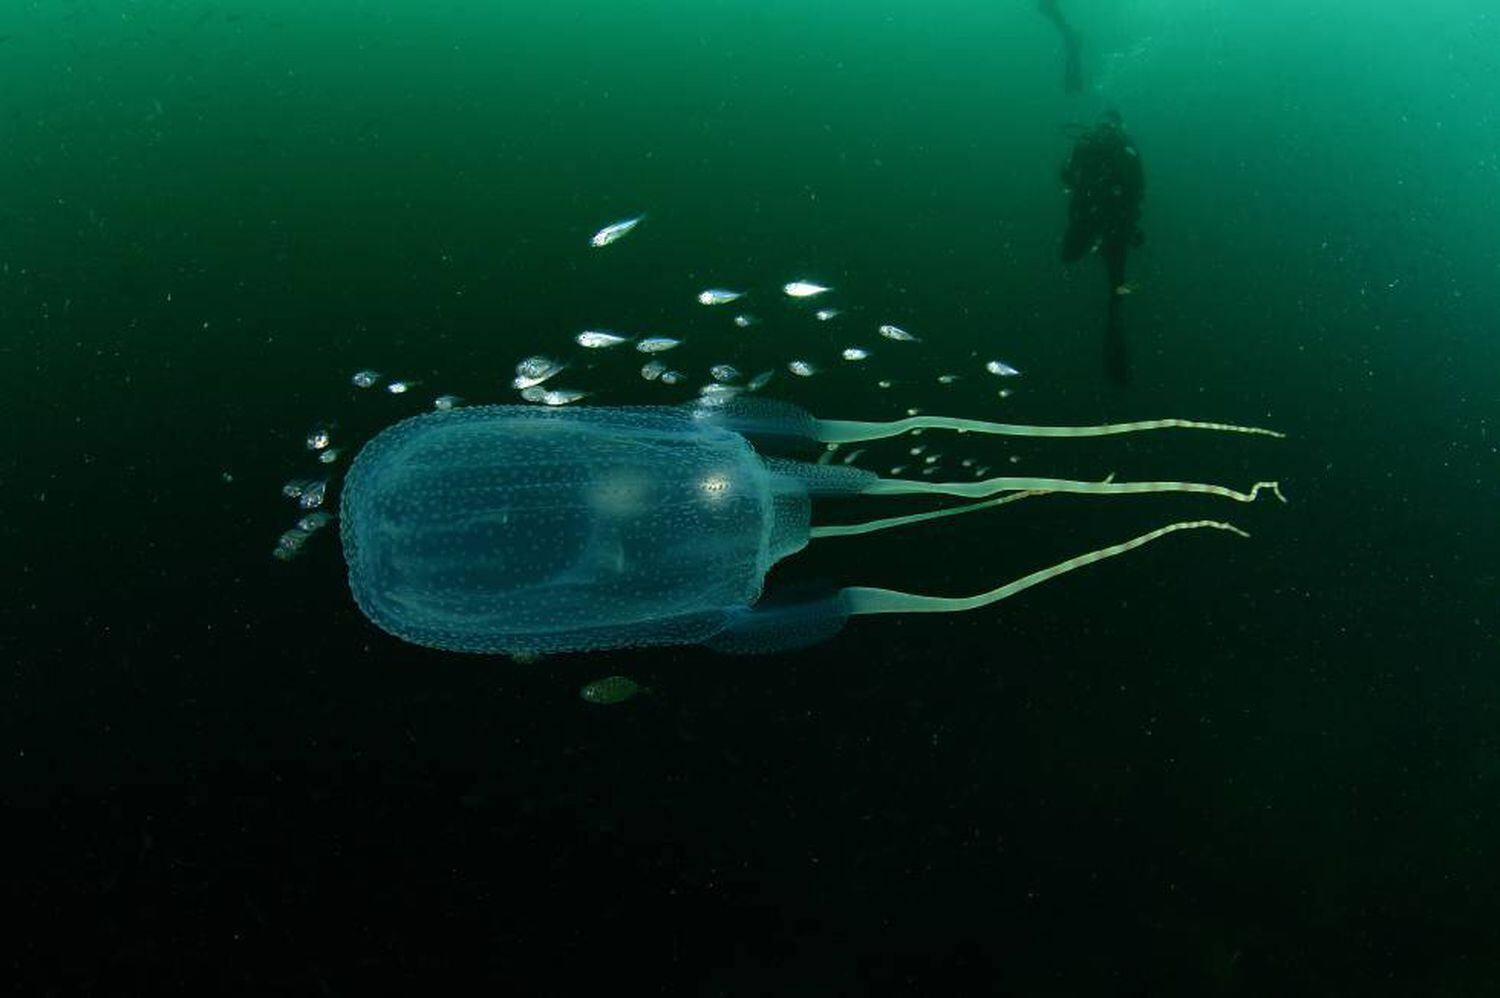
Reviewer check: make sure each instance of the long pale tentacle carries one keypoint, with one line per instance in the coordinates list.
(838, 431)
(870, 526)
(990, 486)
(860, 599)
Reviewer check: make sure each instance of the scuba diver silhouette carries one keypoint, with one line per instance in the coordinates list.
(1072, 44)
(1106, 180)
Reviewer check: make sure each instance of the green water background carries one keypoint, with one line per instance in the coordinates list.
(1210, 767)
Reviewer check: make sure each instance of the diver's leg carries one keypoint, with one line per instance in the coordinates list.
(1113, 250)
(1080, 236)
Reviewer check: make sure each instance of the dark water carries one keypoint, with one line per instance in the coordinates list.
(1211, 767)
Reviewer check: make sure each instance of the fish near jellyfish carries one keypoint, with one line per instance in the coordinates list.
(524, 531)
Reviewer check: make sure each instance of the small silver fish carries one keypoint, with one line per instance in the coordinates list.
(745, 320)
(824, 314)
(657, 344)
(855, 353)
(615, 231)
(883, 383)
(671, 377)
(917, 450)
(535, 370)
(853, 455)
(549, 396)
(314, 521)
(290, 543)
(401, 387)
(611, 689)
(365, 379)
(313, 494)
(598, 339)
(724, 372)
(803, 289)
(898, 334)
(294, 488)
(947, 379)
(932, 458)
(443, 403)
(717, 392)
(718, 296)
(1000, 368)
(652, 369)
(318, 438)
(760, 381)
(802, 368)
(329, 456)
(897, 469)
(1005, 393)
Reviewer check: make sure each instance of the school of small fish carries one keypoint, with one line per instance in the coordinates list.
(725, 382)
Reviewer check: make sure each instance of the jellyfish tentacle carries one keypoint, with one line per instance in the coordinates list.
(864, 600)
(848, 430)
(991, 486)
(870, 526)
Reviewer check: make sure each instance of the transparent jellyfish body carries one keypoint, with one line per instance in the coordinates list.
(521, 530)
